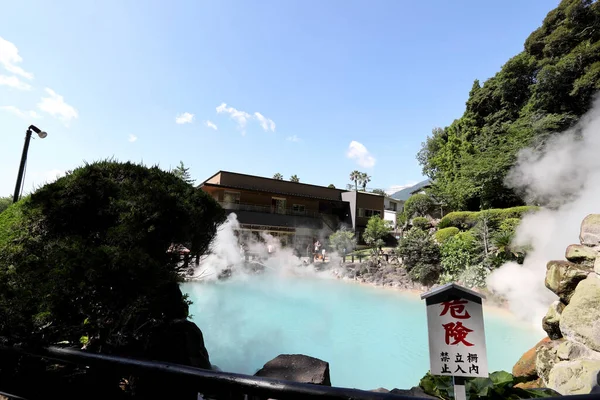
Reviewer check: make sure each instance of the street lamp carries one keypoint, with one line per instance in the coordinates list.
(42, 135)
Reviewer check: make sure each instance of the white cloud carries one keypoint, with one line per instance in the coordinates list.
(266, 123)
(211, 125)
(14, 82)
(20, 113)
(9, 58)
(185, 118)
(240, 117)
(293, 138)
(55, 105)
(358, 152)
(132, 138)
(396, 188)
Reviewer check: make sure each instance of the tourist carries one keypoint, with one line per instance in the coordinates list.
(323, 252)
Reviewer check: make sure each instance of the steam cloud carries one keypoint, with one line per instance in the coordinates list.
(226, 253)
(563, 176)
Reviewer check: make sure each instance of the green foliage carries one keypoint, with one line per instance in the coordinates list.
(457, 254)
(5, 202)
(420, 256)
(375, 231)
(294, 178)
(509, 225)
(418, 205)
(499, 385)
(468, 219)
(278, 176)
(86, 256)
(401, 219)
(542, 90)
(342, 239)
(444, 234)
(331, 186)
(421, 223)
(380, 192)
(182, 172)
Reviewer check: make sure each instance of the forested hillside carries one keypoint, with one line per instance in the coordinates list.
(540, 91)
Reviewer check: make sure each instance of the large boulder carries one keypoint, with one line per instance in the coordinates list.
(569, 350)
(562, 278)
(574, 377)
(589, 233)
(580, 320)
(181, 342)
(581, 254)
(413, 392)
(551, 321)
(297, 368)
(546, 357)
(525, 367)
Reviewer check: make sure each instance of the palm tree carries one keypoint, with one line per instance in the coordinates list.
(364, 179)
(355, 177)
(294, 178)
(278, 176)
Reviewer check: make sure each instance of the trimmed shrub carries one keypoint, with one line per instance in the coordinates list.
(421, 223)
(444, 234)
(420, 256)
(85, 258)
(465, 220)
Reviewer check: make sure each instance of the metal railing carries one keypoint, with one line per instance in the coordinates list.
(268, 209)
(218, 382)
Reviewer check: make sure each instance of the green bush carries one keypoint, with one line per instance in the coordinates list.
(420, 256)
(465, 220)
(444, 234)
(86, 256)
(499, 385)
(509, 225)
(342, 239)
(457, 254)
(421, 223)
(418, 205)
(462, 220)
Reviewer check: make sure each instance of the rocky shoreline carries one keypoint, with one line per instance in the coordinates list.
(568, 359)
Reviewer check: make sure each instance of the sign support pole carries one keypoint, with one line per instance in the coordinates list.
(460, 392)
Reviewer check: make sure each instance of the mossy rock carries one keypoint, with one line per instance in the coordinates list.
(551, 321)
(562, 277)
(580, 320)
(581, 254)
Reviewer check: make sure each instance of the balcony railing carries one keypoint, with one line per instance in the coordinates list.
(268, 209)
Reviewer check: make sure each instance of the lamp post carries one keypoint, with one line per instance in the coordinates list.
(42, 135)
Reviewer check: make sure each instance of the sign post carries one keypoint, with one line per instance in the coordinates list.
(456, 335)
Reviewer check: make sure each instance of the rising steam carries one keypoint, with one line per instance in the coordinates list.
(563, 176)
(227, 253)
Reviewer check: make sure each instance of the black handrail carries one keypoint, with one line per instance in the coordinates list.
(207, 381)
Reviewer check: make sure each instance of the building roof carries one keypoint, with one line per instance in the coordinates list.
(270, 179)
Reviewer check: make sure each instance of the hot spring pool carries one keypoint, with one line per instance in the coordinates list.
(370, 336)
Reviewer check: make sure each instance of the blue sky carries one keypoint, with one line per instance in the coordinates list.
(316, 88)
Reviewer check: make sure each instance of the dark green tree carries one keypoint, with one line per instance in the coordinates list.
(182, 172)
(87, 256)
(420, 256)
(294, 178)
(5, 202)
(278, 176)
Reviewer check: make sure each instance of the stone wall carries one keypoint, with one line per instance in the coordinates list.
(569, 360)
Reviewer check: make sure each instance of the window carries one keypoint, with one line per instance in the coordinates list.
(298, 208)
(366, 213)
(394, 207)
(231, 200)
(278, 205)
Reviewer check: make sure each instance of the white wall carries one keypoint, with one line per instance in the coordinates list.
(390, 216)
